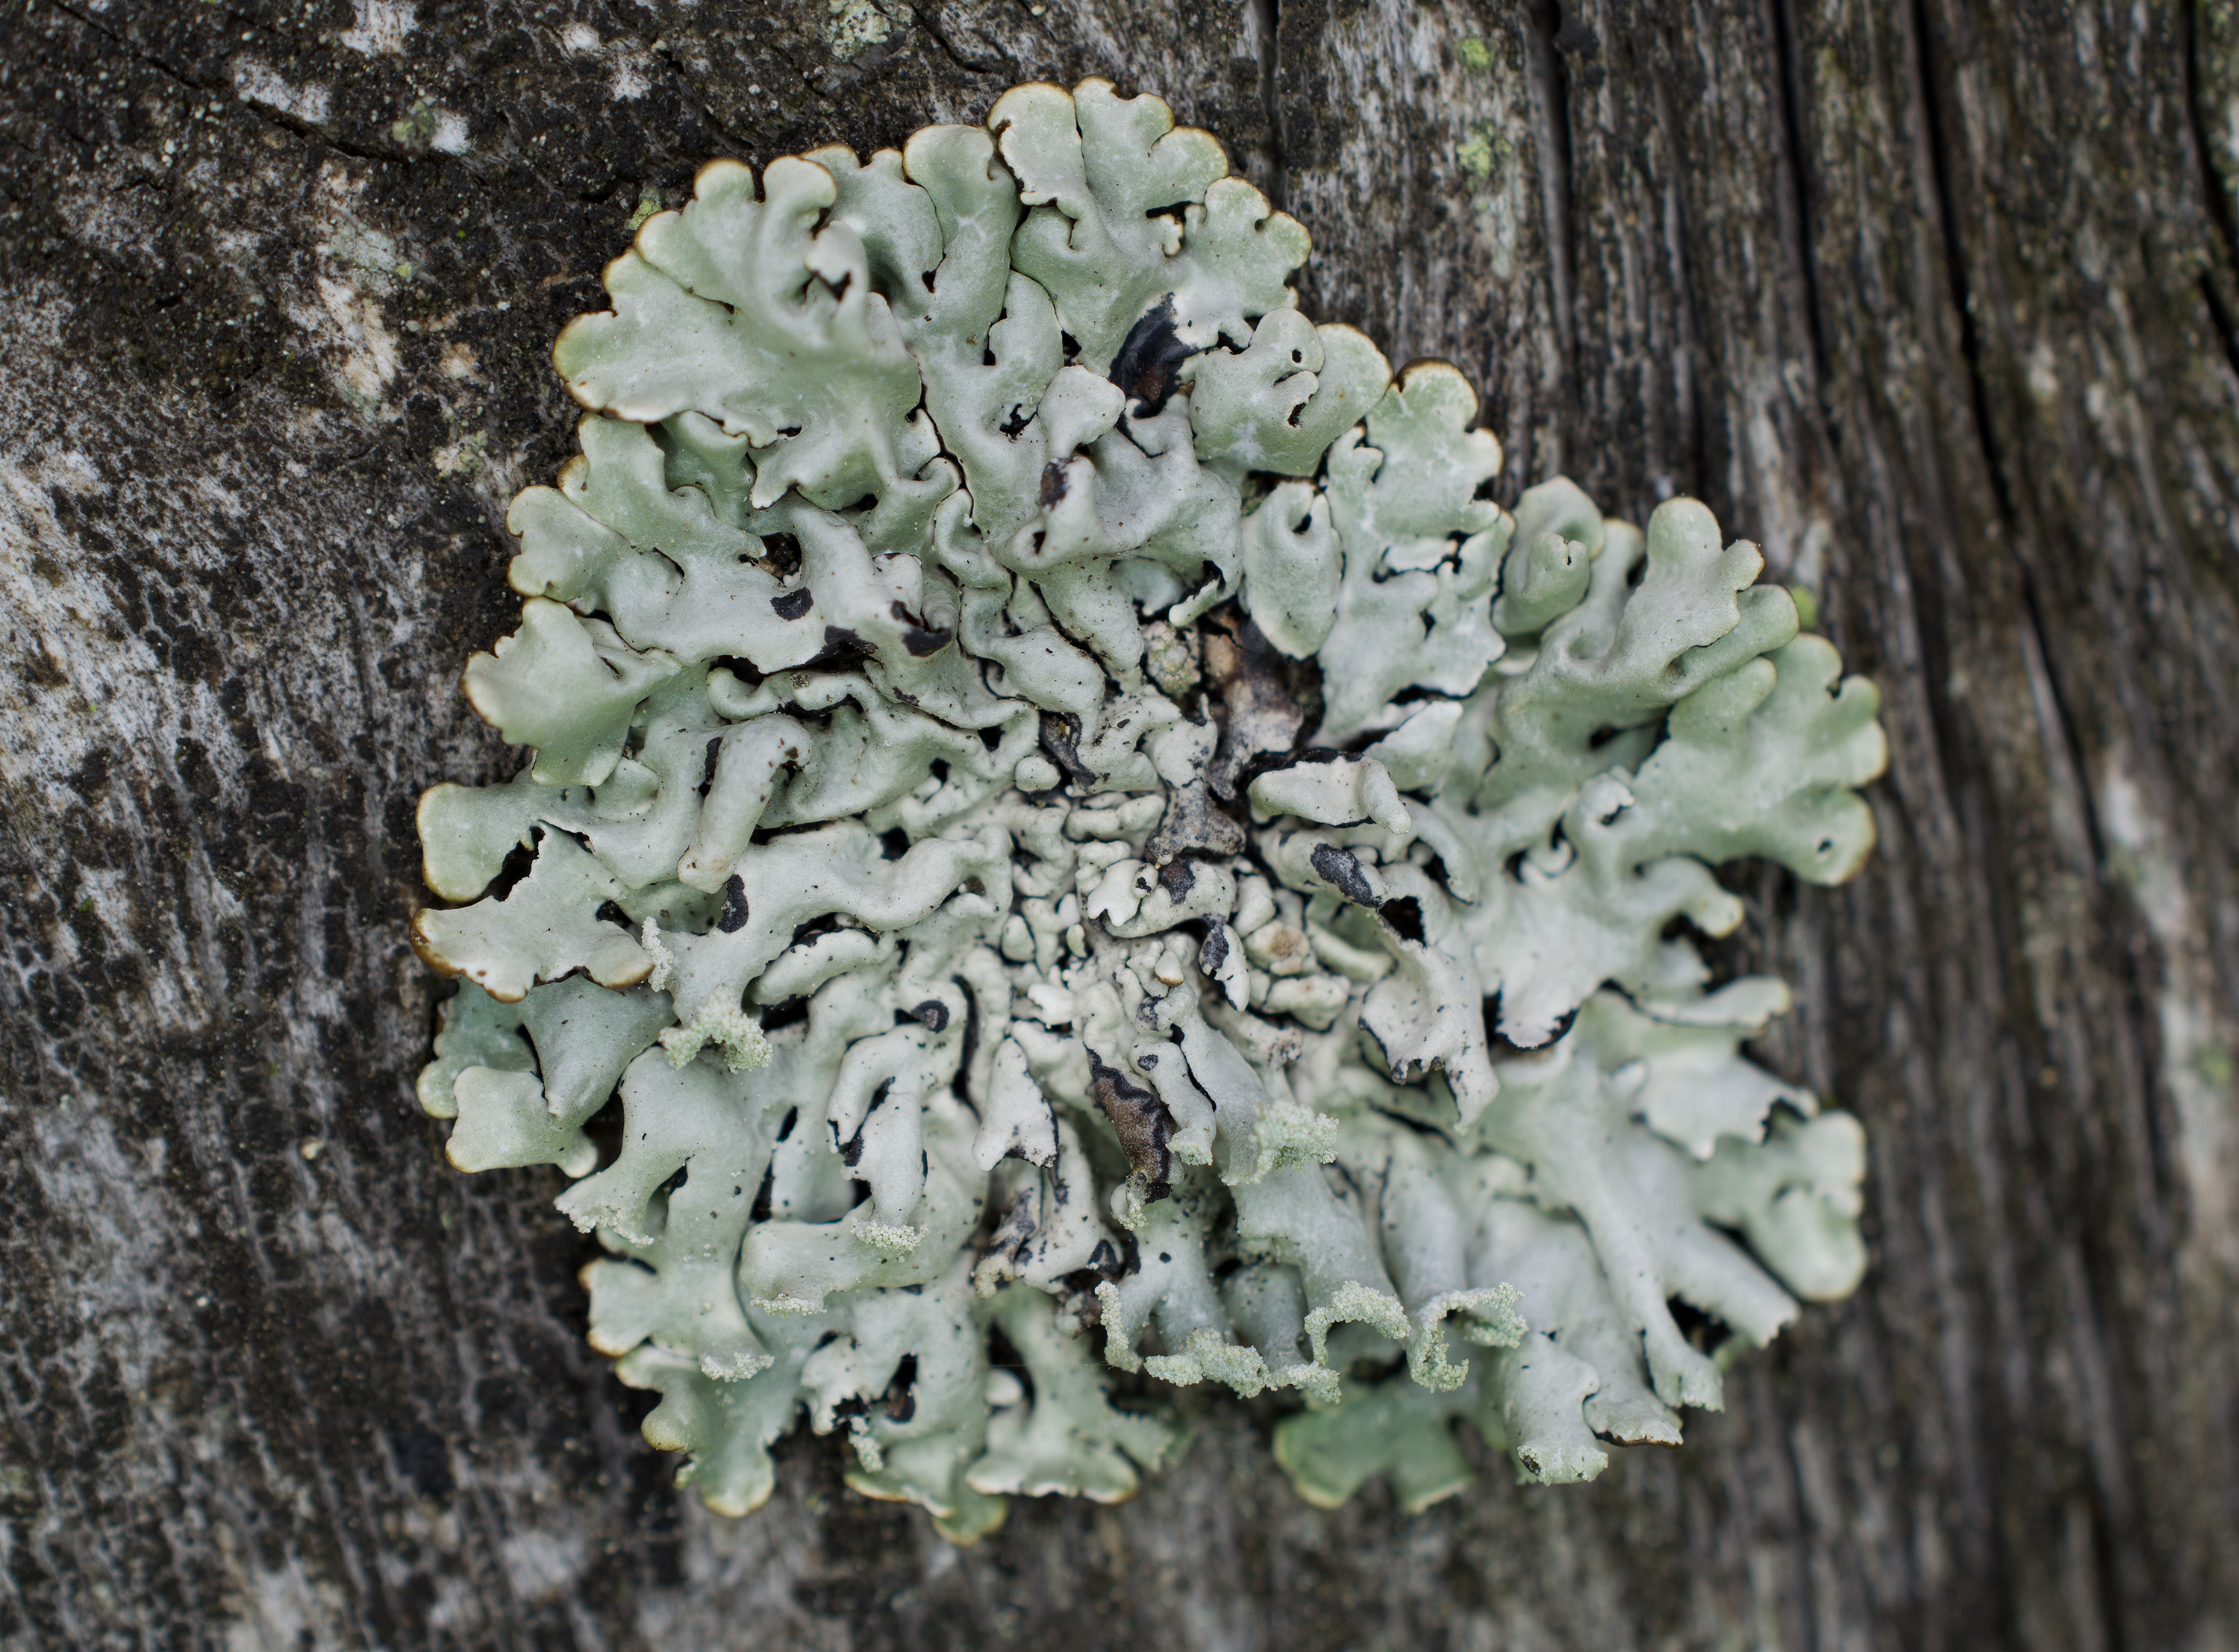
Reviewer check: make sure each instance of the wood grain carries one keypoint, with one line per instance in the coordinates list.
(1933, 300)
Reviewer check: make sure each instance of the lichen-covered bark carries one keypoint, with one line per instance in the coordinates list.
(1934, 300)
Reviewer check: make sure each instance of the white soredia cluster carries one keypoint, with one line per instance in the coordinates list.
(1086, 841)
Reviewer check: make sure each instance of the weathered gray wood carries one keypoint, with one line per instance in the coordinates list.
(1932, 299)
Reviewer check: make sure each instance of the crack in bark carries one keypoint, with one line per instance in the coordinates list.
(1691, 361)
(923, 18)
(690, 87)
(1955, 256)
(1268, 22)
(1971, 353)
(230, 94)
(2217, 197)
(285, 121)
(2006, 922)
(1794, 161)
(2064, 721)
(1951, 746)
(1549, 79)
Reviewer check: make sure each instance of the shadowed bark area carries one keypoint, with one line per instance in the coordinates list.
(1932, 299)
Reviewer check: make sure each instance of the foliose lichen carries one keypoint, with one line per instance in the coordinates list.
(1077, 826)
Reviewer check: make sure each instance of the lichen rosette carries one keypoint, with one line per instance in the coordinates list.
(1072, 822)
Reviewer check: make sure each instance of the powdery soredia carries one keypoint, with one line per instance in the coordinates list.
(1074, 825)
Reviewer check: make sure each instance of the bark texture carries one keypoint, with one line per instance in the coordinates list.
(1934, 299)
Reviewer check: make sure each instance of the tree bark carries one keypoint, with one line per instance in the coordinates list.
(1933, 300)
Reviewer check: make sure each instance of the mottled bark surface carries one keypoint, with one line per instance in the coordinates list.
(1932, 298)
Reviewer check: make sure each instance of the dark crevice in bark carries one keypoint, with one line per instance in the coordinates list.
(1802, 1616)
(257, 111)
(929, 22)
(1799, 220)
(1931, 67)
(133, 52)
(302, 128)
(2072, 757)
(1691, 360)
(1267, 25)
(1549, 79)
(2220, 317)
(1931, 91)
(1953, 750)
(2212, 194)
(2072, 752)
(1980, 1425)
(740, 149)
(2107, 1567)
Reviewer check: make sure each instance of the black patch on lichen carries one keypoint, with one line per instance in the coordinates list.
(968, 1039)
(734, 905)
(1148, 362)
(918, 637)
(1404, 916)
(1503, 1046)
(519, 862)
(788, 1013)
(1261, 717)
(1141, 1122)
(843, 649)
(766, 1194)
(793, 604)
(1703, 1330)
(851, 1150)
(901, 1393)
(1061, 739)
(744, 669)
(1193, 824)
(783, 553)
(1342, 872)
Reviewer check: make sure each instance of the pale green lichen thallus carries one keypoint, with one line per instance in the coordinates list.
(1064, 808)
